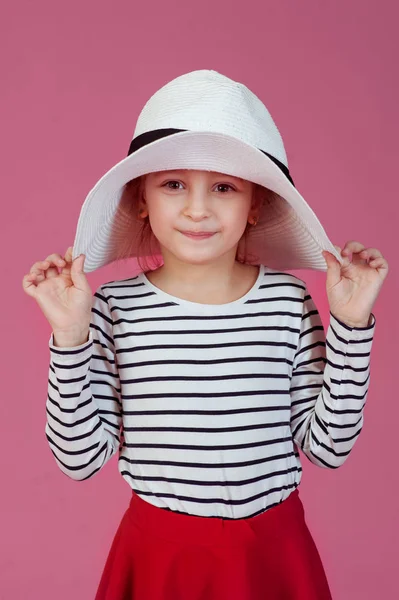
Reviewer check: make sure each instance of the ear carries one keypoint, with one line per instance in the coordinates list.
(258, 194)
(142, 204)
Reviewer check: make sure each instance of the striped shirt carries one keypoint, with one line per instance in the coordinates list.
(208, 405)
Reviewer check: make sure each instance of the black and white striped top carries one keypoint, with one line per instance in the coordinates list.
(208, 404)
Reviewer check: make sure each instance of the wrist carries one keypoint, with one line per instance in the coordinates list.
(70, 341)
(354, 324)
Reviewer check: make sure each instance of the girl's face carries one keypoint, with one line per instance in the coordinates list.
(197, 216)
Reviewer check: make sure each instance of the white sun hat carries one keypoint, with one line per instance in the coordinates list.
(204, 120)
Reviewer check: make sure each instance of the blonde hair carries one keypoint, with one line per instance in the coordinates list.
(147, 242)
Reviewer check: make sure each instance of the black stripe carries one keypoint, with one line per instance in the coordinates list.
(274, 299)
(323, 462)
(355, 369)
(75, 438)
(212, 429)
(305, 411)
(190, 394)
(211, 448)
(310, 330)
(351, 341)
(144, 307)
(156, 134)
(84, 465)
(344, 396)
(345, 425)
(310, 362)
(351, 381)
(176, 332)
(307, 348)
(216, 361)
(346, 353)
(309, 386)
(228, 411)
(68, 410)
(114, 425)
(211, 465)
(297, 428)
(347, 439)
(229, 501)
(274, 313)
(322, 426)
(304, 400)
(280, 284)
(301, 373)
(201, 482)
(346, 411)
(72, 452)
(330, 450)
(75, 423)
(202, 346)
(232, 376)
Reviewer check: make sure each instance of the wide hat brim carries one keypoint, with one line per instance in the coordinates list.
(288, 234)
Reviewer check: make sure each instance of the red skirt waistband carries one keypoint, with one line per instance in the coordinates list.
(173, 525)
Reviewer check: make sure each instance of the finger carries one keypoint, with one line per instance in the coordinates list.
(352, 247)
(38, 268)
(68, 254)
(379, 263)
(29, 286)
(371, 253)
(54, 260)
(66, 270)
(52, 263)
(43, 269)
(51, 269)
(345, 254)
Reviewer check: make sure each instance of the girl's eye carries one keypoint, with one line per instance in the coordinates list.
(224, 185)
(168, 182)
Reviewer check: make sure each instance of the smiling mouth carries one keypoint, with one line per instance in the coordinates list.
(198, 234)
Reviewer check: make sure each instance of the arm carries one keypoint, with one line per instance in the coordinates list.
(329, 385)
(83, 404)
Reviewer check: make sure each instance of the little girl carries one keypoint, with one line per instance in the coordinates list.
(209, 369)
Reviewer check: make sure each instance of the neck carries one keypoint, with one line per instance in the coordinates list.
(216, 282)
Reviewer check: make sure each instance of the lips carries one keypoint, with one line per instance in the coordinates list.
(200, 235)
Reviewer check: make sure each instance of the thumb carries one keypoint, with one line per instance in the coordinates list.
(333, 267)
(77, 274)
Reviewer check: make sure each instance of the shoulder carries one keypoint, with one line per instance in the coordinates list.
(115, 289)
(114, 284)
(285, 280)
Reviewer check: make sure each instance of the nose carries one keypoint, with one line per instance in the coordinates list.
(197, 205)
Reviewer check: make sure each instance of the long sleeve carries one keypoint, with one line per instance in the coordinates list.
(329, 385)
(83, 406)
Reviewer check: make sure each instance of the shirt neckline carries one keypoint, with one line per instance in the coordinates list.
(205, 307)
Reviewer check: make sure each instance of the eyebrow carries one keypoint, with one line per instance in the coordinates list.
(172, 172)
(167, 171)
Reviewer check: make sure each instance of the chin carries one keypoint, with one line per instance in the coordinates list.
(196, 258)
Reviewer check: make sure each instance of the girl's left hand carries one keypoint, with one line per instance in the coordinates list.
(353, 287)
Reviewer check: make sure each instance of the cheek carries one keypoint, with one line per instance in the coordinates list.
(236, 216)
(161, 217)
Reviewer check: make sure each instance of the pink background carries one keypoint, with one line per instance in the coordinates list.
(74, 78)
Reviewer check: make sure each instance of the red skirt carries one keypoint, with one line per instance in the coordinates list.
(159, 554)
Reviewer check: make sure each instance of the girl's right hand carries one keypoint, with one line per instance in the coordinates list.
(65, 297)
